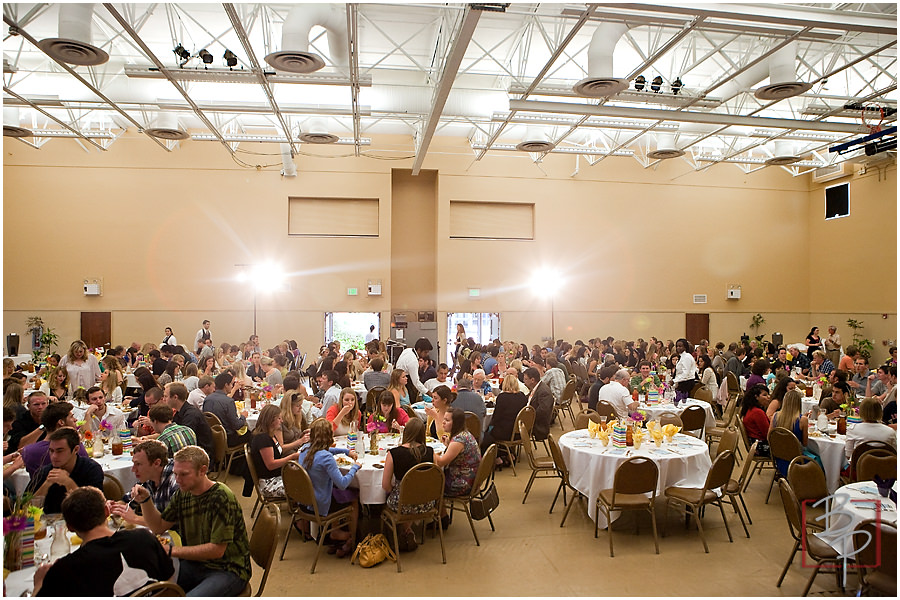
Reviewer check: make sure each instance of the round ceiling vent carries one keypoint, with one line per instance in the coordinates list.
(600, 87)
(780, 91)
(780, 161)
(167, 133)
(664, 153)
(14, 131)
(314, 137)
(535, 146)
(73, 52)
(295, 61)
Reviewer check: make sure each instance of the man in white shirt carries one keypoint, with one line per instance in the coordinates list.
(515, 373)
(371, 335)
(554, 377)
(616, 393)
(327, 382)
(409, 362)
(98, 411)
(441, 379)
(205, 386)
(203, 334)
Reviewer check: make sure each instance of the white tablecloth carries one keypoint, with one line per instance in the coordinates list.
(851, 505)
(657, 409)
(419, 409)
(118, 466)
(831, 451)
(592, 467)
(253, 415)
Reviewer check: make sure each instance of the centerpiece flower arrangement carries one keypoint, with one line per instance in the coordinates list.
(14, 528)
(639, 417)
(268, 390)
(379, 424)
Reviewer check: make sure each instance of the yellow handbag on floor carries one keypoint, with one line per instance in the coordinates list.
(372, 551)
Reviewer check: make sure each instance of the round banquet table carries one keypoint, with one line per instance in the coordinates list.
(657, 409)
(684, 462)
(831, 451)
(253, 413)
(117, 466)
(851, 505)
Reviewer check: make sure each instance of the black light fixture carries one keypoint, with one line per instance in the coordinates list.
(639, 83)
(677, 85)
(181, 53)
(656, 84)
(230, 58)
(205, 56)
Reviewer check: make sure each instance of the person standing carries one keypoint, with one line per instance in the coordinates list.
(685, 368)
(202, 335)
(82, 366)
(371, 335)
(833, 345)
(409, 362)
(169, 339)
(813, 342)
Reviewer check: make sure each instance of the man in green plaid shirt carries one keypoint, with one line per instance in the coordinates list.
(174, 436)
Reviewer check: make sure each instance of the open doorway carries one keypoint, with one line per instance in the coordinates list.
(352, 328)
(481, 327)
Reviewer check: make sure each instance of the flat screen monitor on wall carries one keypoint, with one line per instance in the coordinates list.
(837, 201)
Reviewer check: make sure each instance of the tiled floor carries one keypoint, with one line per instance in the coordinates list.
(530, 555)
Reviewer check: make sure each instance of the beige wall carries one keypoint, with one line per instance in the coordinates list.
(164, 231)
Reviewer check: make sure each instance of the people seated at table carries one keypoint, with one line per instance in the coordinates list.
(871, 428)
(376, 377)
(214, 558)
(643, 380)
(174, 436)
(460, 458)
(172, 372)
(222, 405)
(409, 362)
(154, 469)
(400, 459)
(441, 399)
(255, 371)
(26, 429)
(890, 399)
(99, 412)
(479, 384)
(708, 374)
(756, 420)
(107, 563)
(758, 371)
(798, 360)
(468, 400)
(386, 417)
(541, 398)
(782, 386)
(190, 377)
(341, 416)
(146, 381)
(603, 376)
(331, 392)
(820, 364)
(36, 454)
(141, 426)
(790, 416)
(840, 394)
(83, 368)
(175, 395)
(552, 374)
(616, 393)
(206, 385)
(57, 384)
(67, 470)
(440, 378)
(508, 404)
(397, 387)
(329, 484)
(268, 451)
(293, 420)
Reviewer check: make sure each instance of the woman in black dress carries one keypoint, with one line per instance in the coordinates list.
(813, 342)
(411, 452)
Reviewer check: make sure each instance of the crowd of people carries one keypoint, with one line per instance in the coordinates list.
(173, 442)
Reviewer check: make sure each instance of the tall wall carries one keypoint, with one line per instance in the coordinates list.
(165, 231)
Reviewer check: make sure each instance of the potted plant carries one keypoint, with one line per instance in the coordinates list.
(864, 345)
(756, 322)
(43, 339)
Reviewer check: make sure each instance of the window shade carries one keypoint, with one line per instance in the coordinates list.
(491, 220)
(333, 217)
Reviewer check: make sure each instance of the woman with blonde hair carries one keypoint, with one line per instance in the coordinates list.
(293, 422)
(57, 384)
(790, 417)
(397, 387)
(240, 374)
(111, 379)
(509, 402)
(83, 368)
(14, 398)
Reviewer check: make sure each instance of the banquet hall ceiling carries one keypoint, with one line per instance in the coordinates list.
(753, 85)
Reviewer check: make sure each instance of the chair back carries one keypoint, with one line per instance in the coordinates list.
(876, 462)
(720, 472)
(730, 411)
(558, 459)
(637, 475)
(473, 425)
(251, 465)
(313, 384)
(526, 416)
(372, 398)
(784, 444)
(264, 541)
(670, 418)
(734, 385)
(112, 488)
(728, 440)
(791, 509)
(863, 448)
(605, 409)
(807, 479)
(485, 470)
(703, 394)
(298, 488)
(568, 392)
(748, 464)
(212, 419)
(877, 541)
(743, 430)
(158, 588)
(693, 418)
(422, 484)
(581, 421)
(220, 444)
(298, 365)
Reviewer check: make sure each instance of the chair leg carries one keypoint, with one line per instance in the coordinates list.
(255, 506)
(787, 565)
(771, 485)
(318, 550)
(608, 530)
(740, 515)
(528, 487)
(744, 504)
(811, 579)
(491, 521)
(396, 543)
(653, 522)
(727, 528)
(561, 487)
(696, 514)
(471, 523)
(568, 508)
(286, 537)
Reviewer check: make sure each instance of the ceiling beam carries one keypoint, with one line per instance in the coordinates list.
(225, 75)
(353, 49)
(448, 75)
(52, 118)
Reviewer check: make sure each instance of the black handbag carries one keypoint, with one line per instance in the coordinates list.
(486, 503)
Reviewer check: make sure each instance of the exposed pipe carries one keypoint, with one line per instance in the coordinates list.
(288, 167)
(75, 21)
(460, 102)
(295, 55)
(73, 46)
(601, 80)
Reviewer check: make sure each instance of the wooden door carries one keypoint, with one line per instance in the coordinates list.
(96, 329)
(696, 327)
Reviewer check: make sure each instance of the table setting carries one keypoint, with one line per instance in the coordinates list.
(829, 446)
(852, 504)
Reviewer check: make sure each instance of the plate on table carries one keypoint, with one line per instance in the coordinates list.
(343, 460)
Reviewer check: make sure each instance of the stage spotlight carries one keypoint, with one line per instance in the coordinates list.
(181, 53)
(230, 58)
(205, 56)
(656, 84)
(677, 85)
(639, 83)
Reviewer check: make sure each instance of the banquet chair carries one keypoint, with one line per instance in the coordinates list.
(230, 451)
(876, 561)
(263, 544)
(484, 479)
(473, 425)
(696, 498)
(605, 409)
(408, 409)
(634, 479)
(727, 419)
(859, 451)
(158, 588)
(300, 494)
(728, 441)
(220, 446)
(565, 401)
(422, 484)
(784, 445)
(759, 462)
(563, 471)
(581, 421)
(735, 489)
(539, 466)
(734, 385)
(807, 479)
(298, 364)
(261, 498)
(112, 488)
(876, 462)
(372, 399)
(526, 415)
(702, 393)
(818, 550)
(670, 418)
(697, 386)
(693, 420)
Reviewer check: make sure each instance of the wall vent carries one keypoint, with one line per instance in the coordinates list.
(699, 298)
(823, 174)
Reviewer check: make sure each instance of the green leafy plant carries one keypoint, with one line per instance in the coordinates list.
(864, 345)
(757, 321)
(47, 338)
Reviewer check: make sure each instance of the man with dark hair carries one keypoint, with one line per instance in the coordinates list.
(26, 429)
(202, 335)
(119, 563)
(371, 335)
(469, 401)
(490, 363)
(154, 470)
(376, 377)
(66, 471)
(331, 390)
(205, 387)
(98, 411)
(175, 395)
(151, 398)
(541, 398)
(158, 364)
(36, 455)
(603, 376)
(173, 435)
(291, 381)
(409, 362)
(443, 371)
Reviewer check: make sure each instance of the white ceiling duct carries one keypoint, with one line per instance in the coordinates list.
(315, 132)
(288, 167)
(295, 55)
(12, 126)
(73, 46)
(743, 81)
(460, 102)
(665, 147)
(167, 128)
(783, 76)
(784, 153)
(600, 81)
(536, 140)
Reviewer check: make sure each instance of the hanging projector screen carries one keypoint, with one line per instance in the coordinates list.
(837, 201)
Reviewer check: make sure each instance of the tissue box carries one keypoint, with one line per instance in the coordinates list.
(619, 436)
(652, 397)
